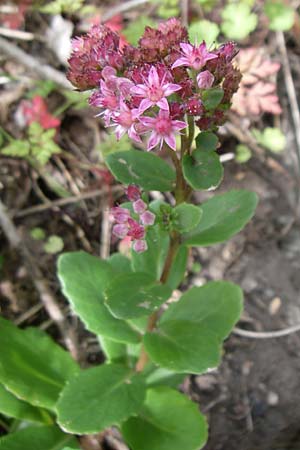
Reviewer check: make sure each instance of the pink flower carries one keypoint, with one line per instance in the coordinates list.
(205, 79)
(126, 120)
(120, 215)
(136, 231)
(147, 218)
(140, 246)
(154, 91)
(120, 230)
(133, 192)
(193, 56)
(106, 99)
(163, 129)
(139, 206)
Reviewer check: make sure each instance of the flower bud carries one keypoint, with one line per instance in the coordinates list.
(147, 218)
(139, 206)
(120, 230)
(133, 192)
(205, 79)
(140, 246)
(119, 214)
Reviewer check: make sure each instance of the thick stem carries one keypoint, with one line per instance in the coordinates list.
(174, 244)
(182, 192)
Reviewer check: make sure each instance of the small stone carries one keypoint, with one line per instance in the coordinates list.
(272, 398)
(274, 306)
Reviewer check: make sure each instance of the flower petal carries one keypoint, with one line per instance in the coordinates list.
(153, 140)
(171, 141)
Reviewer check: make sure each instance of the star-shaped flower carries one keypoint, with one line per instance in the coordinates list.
(194, 56)
(164, 129)
(154, 91)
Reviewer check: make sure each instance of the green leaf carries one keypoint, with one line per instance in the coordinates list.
(204, 30)
(189, 334)
(84, 278)
(37, 233)
(168, 420)
(202, 170)
(134, 295)
(120, 263)
(152, 261)
(271, 138)
(238, 21)
(243, 153)
(160, 376)
(181, 347)
(114, 351)
(280, 15)
(147, 170)
(211, 98)
(54, 244)
(11, 406)
(178, 267)
(99, 398)
(223, 216)
(38, 438)
(185, 217)
(17, 148)
(32, 366)
(206, 140)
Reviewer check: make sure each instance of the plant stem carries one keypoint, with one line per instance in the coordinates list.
(182, 191)
(174, 244)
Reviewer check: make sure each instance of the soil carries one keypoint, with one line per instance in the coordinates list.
(252, 400)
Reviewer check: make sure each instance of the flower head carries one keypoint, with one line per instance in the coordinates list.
(164, 129)
(154, 91)
(194, 57)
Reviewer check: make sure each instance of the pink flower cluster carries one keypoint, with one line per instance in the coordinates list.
(125, 225)
(152, 88)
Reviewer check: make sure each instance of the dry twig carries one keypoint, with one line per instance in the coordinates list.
(66, 201)
(43, 70)
(266, 334)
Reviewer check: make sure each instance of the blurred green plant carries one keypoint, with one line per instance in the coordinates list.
(271, 138)
(67, 7)
(204, 30)
(238, 21)
(242, 153)
(280, 15)
(37, 148)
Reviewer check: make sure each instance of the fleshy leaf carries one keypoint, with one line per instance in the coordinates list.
(12, 406)
(147, 170)
(38, 438)
(178, 267)
(202, 169)
(189, 335)
(223, 216)
(134, 295)
(185, 217)
(206, 140)
(84, 278)
(152, 261)
(32, 366)
(168, 420)
(98, 398)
